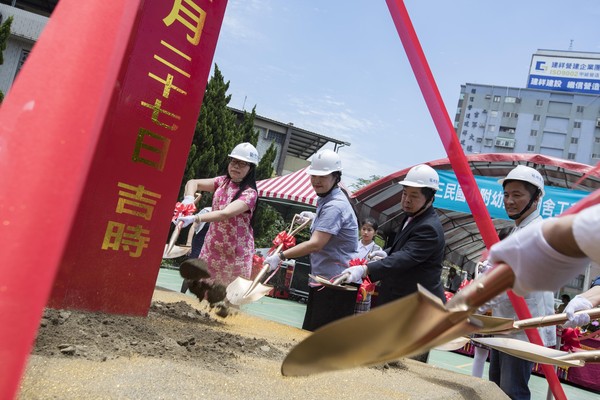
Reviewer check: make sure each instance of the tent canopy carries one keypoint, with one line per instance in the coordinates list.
(381, 199)
(294, 187)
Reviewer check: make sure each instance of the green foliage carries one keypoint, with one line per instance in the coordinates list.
(267, 224)
(265, 166)
(361, 182)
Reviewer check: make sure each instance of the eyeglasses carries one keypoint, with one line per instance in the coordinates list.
(238, 163)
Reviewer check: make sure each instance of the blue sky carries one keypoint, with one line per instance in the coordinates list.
(338, 68)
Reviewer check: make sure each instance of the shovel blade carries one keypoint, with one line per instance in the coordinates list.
(237, 291)
(404, 327)
(175, 251)
(529, 351)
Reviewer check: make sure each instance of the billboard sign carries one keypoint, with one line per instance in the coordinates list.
(566, 74)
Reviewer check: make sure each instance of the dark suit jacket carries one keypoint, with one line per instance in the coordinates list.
(415, 257)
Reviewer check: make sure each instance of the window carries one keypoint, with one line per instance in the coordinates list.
(539, 103)
(595, 155)
(509, 99)
(571, 156)
(574, 140)
(530, 148)
(473, 91)
(577, 124)
(489, 142)
(471, 98)
(597, 140)
(496, 99)
(510, 115)
(505, 142)
(533, 132)
(579, 109)
(536, 117)
(22, 58)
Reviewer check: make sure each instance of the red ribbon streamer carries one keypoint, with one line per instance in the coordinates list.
(457, 158)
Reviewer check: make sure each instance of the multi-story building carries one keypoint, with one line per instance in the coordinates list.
(558, 114)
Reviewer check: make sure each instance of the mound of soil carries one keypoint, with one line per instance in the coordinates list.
(174, 331)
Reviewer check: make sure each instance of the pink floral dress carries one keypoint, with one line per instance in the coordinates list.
(229, 245)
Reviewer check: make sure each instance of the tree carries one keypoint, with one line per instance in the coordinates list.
(361, 182)
(4, 35)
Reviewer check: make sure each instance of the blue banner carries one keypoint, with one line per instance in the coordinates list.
(451, 197)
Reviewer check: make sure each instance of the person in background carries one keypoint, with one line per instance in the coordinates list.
(229, 242)
(332, 242)
(453, 281)
(565, 298)
(367, 248)
(523, 192)
(370, 251)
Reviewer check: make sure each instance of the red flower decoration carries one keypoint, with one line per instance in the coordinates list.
(183, 210)
(285, 239)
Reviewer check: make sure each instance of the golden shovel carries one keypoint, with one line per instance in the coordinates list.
(497, 325)
(540, 354)
(171, 250)
(408, 326)
(243, 291)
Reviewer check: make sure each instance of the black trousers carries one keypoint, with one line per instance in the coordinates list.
(326, 305)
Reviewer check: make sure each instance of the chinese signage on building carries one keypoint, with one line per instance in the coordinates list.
(566, 74)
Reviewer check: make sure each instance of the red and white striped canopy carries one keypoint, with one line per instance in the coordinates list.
(294, 187)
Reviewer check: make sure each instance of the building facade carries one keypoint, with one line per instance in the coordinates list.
(561, 121)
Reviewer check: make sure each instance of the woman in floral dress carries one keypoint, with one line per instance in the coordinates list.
(229, 243)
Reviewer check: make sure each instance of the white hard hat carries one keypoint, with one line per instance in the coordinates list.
(245, 152)
(422, 176)
(525, 174)
(324, 162)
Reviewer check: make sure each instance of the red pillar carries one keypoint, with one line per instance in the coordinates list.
(94, 136)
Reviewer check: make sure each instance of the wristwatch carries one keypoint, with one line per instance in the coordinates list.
(281, 256)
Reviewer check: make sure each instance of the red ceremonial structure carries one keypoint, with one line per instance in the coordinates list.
(92, 150)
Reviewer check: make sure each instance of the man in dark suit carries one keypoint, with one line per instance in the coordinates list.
(417, 252)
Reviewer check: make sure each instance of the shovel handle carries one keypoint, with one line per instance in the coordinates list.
(549, 320)
(483, 289)
(174, 237)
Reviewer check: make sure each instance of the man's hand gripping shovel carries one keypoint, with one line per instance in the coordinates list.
(243, 291)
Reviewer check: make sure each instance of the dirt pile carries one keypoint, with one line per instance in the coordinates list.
(174, 331)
